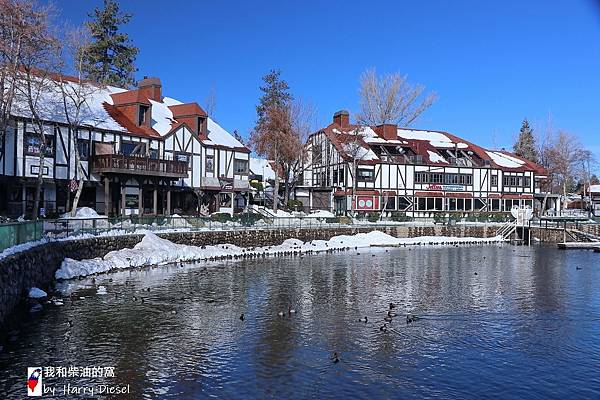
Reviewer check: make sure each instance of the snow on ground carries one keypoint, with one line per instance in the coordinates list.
(153, 250)
(321, 214)
(36, 293)
(83, 213)
(504, 160)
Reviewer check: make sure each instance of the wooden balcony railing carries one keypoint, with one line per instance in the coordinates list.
(136, 165)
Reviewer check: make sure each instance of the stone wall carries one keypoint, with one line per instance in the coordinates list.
(36, 267)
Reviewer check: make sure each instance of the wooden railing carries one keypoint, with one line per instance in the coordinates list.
(136, 165)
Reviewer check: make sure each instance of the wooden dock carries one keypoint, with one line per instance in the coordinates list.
(580, 246)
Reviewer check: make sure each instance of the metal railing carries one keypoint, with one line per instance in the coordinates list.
(16, 233)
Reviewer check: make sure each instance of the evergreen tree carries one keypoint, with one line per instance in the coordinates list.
(110, 57)
(525, 145)
(275, 94)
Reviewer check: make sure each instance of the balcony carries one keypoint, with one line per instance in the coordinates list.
(136, 165)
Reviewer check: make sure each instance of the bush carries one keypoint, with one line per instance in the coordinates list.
(398, 216)
(295, 205)
(221, 217)
(439, 218)
(247, 218)
(373, 216)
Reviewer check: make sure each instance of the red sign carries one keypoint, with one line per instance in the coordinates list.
(366, 203)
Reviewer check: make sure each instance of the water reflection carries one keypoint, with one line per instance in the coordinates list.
(496, 320)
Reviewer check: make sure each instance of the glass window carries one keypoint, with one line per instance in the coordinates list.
(83, 148)
(341, 177)
(403, 203)
(210, 164)
(240, 166)
(33, 144)
(390, 202)
(421, 203)
(335, 176)
(365, 175)
(494, 180)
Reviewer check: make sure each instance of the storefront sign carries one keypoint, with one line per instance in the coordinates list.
(367, 203)
(447, 188)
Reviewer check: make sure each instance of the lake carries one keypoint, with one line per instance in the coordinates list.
(495, 321)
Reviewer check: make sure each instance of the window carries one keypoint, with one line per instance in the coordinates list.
(341, 176)
(142, 115)
(210, 164)
(478, 204)
(182, 157)
(494, 180)
(390, 202)
(430, 203)
(33, 144)
(495, 203)
(403, 203)
(335, 176)
(440, 178)
(83, 148)
(365, 175)
(133, 148)
(240, 166)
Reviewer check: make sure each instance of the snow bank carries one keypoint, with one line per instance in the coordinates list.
(153, 250)
(321, 214)
(83, 212)
(36, 293)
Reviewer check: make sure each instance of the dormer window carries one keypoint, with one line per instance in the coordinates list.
(143, 115)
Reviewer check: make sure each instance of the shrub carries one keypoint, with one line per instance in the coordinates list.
(399, 216)
(373, 216)
(221, 217)
(439, 218)
(295, 204)
(247, 218)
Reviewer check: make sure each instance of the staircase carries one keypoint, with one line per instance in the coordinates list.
(507, 230)
(580, 236)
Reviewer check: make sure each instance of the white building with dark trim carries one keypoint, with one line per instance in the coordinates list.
(141, 152)
(414, 171)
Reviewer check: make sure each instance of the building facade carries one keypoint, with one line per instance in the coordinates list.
(391, 169)
(140, 152)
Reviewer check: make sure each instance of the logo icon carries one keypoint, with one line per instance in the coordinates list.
(34, 381)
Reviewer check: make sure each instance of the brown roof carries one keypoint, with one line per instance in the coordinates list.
(187, 109)
(126, 123)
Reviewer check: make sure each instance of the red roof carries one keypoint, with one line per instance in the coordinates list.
(126, 123)
(188, 109)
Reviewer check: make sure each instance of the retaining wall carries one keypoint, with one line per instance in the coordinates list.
(36, 267)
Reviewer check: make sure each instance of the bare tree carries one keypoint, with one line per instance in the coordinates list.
(391, 99)
(564, 160)
(211, 103)
(14, 19)
(302, 119)
(39, 56)
(76, 94)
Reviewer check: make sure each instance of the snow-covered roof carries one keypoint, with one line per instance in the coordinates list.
(595, 188)
(260, 166)
(436, 139)
(504, 160)
(94, 113)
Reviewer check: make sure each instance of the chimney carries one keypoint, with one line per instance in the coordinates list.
(152, 88)
(342, 118)
(387, 131)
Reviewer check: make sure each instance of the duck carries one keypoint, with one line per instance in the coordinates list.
(391, 314)
(383, 328)
(475, 273)
(291, 310)
(242, 317)
(280, 313)
(365, 320)
(410, 318)
(70, 323)
(335, 358)
(387, 318)
(577, 268)
(392, 306)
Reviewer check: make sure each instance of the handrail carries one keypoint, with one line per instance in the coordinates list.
(138, 163)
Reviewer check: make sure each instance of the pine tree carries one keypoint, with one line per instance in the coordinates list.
(275, 94)
(525, 145)
(110, 57)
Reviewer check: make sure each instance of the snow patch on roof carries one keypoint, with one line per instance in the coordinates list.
(219, 136)
(162, 117)
(436, 139)
(504, 160)
(355, 150)
(436, 158)
(260, 166)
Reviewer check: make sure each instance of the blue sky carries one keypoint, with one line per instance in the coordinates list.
(491, 63)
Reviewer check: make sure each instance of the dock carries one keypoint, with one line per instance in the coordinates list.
(580, 246)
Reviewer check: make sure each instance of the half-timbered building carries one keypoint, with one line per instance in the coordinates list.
(387, 168)
(140, 153)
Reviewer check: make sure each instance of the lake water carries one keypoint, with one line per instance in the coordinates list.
(496, 322)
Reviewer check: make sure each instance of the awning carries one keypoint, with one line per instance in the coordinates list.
(459, 195)
(429, 194)
(348, 192)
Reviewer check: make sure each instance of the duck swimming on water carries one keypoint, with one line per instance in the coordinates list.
(335, 358)
(411, 318)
